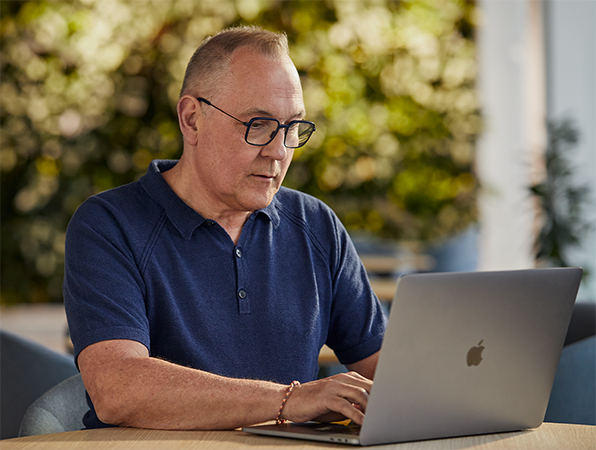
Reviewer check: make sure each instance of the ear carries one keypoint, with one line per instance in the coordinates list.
(188, 112)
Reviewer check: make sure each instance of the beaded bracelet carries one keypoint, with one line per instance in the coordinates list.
(278, 419)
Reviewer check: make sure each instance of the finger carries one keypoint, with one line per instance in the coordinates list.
(349, 402)
(357, 396)
(345, 409)
(355, 379)
(355, 390)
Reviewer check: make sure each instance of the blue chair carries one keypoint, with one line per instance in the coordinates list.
(27, 370)
(573, 398)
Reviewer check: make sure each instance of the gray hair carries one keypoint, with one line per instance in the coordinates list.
(209, 62)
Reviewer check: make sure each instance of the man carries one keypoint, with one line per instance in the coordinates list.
(197, 294)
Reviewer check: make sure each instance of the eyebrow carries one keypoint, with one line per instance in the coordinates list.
(263, 113)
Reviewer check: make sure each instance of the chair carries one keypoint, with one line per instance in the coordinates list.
(583, 322)
(27, 370)
(573, 397)
(60, 409)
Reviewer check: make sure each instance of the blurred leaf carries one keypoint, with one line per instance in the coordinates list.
(89, 89)
(561, 202)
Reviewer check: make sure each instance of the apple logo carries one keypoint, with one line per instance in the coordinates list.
(475, 354)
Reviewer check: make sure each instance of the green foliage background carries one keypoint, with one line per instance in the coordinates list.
(89, 88)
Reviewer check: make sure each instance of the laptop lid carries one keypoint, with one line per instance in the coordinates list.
(466, 353)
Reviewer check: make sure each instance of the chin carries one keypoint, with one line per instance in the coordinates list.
(260, 201)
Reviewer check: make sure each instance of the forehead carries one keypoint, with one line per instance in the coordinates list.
(258, 82)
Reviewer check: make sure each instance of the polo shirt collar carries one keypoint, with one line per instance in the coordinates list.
(183, 217)
(271, 211)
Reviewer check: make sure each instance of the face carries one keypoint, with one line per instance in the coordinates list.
(234, 175)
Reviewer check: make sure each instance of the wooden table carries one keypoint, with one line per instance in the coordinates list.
(548, 436)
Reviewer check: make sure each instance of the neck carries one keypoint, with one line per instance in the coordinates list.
(184, 183)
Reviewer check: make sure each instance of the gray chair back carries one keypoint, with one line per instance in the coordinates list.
(27, 370)
(58, 410)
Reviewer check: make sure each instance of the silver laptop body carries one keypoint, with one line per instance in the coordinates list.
(463, 354)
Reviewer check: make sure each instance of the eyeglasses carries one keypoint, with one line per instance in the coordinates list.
(262, 130)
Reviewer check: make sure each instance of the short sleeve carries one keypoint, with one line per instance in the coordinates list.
(358, 321)
(103, 287)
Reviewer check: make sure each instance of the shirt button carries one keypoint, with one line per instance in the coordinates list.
(238, 253)
(211, 222)
(242, 293)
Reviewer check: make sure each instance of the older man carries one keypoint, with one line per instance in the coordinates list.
(199, 296)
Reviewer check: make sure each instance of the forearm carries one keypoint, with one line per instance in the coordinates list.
(173, 397)
(366, 367)
(144, 392)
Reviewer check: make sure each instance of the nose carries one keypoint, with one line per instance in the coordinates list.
(276, 148)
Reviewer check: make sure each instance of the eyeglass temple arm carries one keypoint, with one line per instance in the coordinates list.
(204, 100)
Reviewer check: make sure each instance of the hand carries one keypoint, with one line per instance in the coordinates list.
(340, 397)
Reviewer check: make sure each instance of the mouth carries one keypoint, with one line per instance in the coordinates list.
(265, 176)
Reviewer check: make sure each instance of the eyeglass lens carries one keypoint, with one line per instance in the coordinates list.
(262, 131)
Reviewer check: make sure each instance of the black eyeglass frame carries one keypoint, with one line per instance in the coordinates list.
(273, 135)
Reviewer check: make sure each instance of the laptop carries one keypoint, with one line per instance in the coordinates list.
(463, 354)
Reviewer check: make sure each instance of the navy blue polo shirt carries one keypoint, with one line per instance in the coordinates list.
(142, 265)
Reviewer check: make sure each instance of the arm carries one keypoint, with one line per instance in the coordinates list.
(129, 388)
(366, 367)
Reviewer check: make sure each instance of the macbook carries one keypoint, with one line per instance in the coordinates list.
(463, 354)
